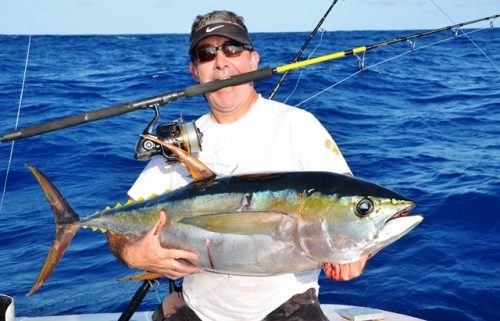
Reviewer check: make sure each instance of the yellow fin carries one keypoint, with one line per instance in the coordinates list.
(100, 229)
(196, 168)
(118, 205)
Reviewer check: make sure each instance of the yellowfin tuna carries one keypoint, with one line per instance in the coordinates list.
(256, 224)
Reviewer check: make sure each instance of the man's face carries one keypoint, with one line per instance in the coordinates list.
(229, 99)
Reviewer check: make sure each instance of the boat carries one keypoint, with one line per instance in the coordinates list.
(335, 312)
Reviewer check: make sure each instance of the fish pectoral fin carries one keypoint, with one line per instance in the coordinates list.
(243, 223)
(140, 277)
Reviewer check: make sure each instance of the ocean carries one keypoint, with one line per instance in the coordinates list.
(424, 122)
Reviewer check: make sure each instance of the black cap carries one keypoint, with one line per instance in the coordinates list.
(228, 30)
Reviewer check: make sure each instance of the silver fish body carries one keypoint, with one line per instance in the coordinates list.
(273, 223)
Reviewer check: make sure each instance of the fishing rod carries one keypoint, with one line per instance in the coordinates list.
(363, 49)
(267, 72)
(301, 50)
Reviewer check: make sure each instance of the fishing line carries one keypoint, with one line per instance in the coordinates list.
(301, 50)
(470, 39)
(302, 70)
(17, 120)
(385, 61)
(155, 285)
(412, 49)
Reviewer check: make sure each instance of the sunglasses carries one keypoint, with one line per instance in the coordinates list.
(230, 50)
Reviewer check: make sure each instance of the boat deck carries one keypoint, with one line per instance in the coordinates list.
(333, 311)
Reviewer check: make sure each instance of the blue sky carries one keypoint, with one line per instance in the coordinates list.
(165, 16)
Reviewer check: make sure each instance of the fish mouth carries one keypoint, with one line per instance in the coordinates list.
(404, 212)
(396, 227)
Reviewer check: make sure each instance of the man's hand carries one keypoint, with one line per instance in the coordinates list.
(345, 272)
(148, 254)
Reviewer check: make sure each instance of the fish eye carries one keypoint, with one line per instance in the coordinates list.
(364, 207)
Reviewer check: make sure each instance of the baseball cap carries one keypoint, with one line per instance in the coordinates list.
(228, 30)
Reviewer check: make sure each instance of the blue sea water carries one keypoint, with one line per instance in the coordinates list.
(425, 123)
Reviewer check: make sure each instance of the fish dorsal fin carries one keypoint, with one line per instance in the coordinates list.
(242, 223)
(196, 168)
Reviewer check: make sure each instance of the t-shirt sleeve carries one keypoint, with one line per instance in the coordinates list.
(157, 178)
(315, 147)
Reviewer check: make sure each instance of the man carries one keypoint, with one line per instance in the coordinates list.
(243, 133)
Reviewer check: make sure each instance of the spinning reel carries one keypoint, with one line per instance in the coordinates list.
(183, 135)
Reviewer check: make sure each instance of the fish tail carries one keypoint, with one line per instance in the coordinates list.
(67, 224)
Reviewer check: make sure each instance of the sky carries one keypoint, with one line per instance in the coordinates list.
(166, 16)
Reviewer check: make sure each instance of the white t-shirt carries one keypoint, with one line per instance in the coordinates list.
(271, 137)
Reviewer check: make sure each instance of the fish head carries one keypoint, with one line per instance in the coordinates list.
(353, 219)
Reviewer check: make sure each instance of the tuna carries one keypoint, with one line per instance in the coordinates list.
(254, 224)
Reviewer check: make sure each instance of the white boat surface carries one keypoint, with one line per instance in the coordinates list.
(333, 311)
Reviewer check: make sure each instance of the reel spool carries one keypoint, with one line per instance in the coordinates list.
(179, 133)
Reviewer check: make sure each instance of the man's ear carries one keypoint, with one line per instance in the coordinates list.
(254, 60)
(194, 72)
